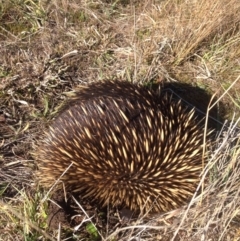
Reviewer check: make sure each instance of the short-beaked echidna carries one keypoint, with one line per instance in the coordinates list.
(127, 145)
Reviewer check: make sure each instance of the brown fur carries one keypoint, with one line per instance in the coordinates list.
(127, 145)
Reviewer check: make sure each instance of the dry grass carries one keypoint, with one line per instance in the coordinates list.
(48, 47)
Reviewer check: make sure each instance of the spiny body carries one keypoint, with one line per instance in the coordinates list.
(127, 146)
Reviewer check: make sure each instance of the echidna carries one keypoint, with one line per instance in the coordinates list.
(127, 145)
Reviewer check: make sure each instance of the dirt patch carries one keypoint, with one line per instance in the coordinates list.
(65, 211)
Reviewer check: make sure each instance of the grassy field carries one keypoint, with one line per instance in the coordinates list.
(48, 48)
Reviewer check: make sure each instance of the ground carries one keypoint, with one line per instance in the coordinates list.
(48, 48)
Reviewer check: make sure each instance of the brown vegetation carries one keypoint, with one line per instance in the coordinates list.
(49, 47)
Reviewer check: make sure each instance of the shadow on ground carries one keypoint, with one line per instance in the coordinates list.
(199, 99)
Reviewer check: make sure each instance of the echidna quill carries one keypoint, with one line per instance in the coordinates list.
(127, 145)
